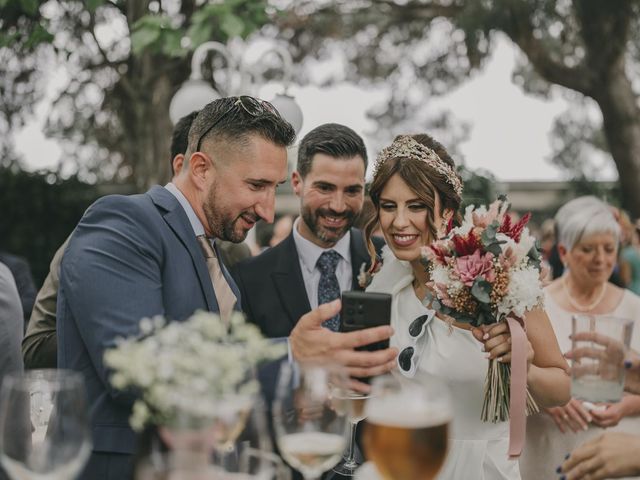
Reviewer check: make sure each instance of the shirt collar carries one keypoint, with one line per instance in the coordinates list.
(309, 252)
(196, 224)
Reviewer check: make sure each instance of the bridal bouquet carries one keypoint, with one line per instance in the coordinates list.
(486, 271)
(180, 369)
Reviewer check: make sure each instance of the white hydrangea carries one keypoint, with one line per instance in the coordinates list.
(442, 275)
(187, 368)
(524, 292)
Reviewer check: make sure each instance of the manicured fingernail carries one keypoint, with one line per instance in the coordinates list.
(585, 428)
(487, 355)
(566, 457)
(485, 336)
(499, 359)
(589, 419)
(563, 477)
(559, 470)
(627, 364)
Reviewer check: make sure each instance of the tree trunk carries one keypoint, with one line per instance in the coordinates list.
(621, 122)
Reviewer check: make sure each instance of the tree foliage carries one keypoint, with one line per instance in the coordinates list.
(425, 48)
(112, 67)
(38, 212)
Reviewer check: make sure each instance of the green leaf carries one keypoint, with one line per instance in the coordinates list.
(171, 43)
(494, 248)
(39, 35)
(30, 7)
(143, 37)
(200, 33)
(232, 25)
(489, 234)
(481, 290)
(92, 5)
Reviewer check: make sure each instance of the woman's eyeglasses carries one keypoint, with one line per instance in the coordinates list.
(253, 106)
(409, 357)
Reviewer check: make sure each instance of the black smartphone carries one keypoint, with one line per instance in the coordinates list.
(362, 310)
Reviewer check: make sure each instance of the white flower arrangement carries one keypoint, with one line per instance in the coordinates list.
(188, 368)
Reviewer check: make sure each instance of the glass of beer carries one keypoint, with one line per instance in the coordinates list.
(407, 427)
(310, 432)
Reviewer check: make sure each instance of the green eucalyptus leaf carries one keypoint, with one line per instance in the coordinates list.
(481, 290)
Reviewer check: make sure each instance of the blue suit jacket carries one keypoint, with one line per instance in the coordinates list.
(129, 257)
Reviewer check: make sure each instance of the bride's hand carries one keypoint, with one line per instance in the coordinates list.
(496, 341)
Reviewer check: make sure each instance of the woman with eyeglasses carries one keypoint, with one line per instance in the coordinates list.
(415, 191)
(588, 241)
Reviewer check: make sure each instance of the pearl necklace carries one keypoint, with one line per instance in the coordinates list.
(579, 306)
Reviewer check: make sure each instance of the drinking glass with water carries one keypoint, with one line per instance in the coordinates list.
(599, 346)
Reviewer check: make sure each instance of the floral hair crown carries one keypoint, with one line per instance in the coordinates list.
(406, 146)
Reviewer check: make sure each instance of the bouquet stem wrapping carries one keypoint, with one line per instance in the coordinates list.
(497, 388)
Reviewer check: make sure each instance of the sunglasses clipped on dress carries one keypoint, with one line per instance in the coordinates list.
(409, 357)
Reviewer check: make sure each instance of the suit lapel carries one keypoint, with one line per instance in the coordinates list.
(288, 281)
(178, 222)
(359, 256)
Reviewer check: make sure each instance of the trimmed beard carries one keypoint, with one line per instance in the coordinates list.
(325, 234)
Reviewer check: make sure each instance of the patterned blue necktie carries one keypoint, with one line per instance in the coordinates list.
(329, 288)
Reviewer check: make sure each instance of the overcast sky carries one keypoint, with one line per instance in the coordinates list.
(509, 130)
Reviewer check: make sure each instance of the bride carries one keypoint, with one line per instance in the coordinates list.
(416, 191)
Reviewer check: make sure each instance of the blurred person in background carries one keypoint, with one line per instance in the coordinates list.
(11, 322)
(629, 257)
(281, 229)
(588, 239)
(21, 272)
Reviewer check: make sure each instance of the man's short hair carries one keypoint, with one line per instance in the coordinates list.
(332, 139)
(234, 124)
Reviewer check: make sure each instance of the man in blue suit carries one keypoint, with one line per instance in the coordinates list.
(137, 256)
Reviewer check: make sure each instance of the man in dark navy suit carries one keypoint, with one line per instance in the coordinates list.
(286, 281)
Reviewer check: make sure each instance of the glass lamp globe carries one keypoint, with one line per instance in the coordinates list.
(289, 109)
(192, 95)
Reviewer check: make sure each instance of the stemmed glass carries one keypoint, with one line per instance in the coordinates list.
(407, 426)
(350, 403)
(44, 425)
(310, 432)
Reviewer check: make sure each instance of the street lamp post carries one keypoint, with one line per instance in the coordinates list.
(196, 92)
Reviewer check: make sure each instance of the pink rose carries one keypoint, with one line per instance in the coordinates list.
(470, 267)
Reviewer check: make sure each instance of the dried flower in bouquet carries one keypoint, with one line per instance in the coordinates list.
(483, 272)
(179, 369)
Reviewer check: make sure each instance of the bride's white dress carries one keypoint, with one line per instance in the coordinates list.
(478, 450)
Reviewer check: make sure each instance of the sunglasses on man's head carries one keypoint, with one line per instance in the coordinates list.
(252, 106)
(409, 357)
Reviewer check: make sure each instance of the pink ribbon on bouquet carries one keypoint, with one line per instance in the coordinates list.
(518, 387)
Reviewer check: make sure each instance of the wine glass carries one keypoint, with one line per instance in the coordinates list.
(407, 427)
(310, 432)
(232, 444)
(44, 426)
(350, 403)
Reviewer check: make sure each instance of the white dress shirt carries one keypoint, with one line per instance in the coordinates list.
(308, 254)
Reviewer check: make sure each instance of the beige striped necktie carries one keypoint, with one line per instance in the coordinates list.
(224, 295)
